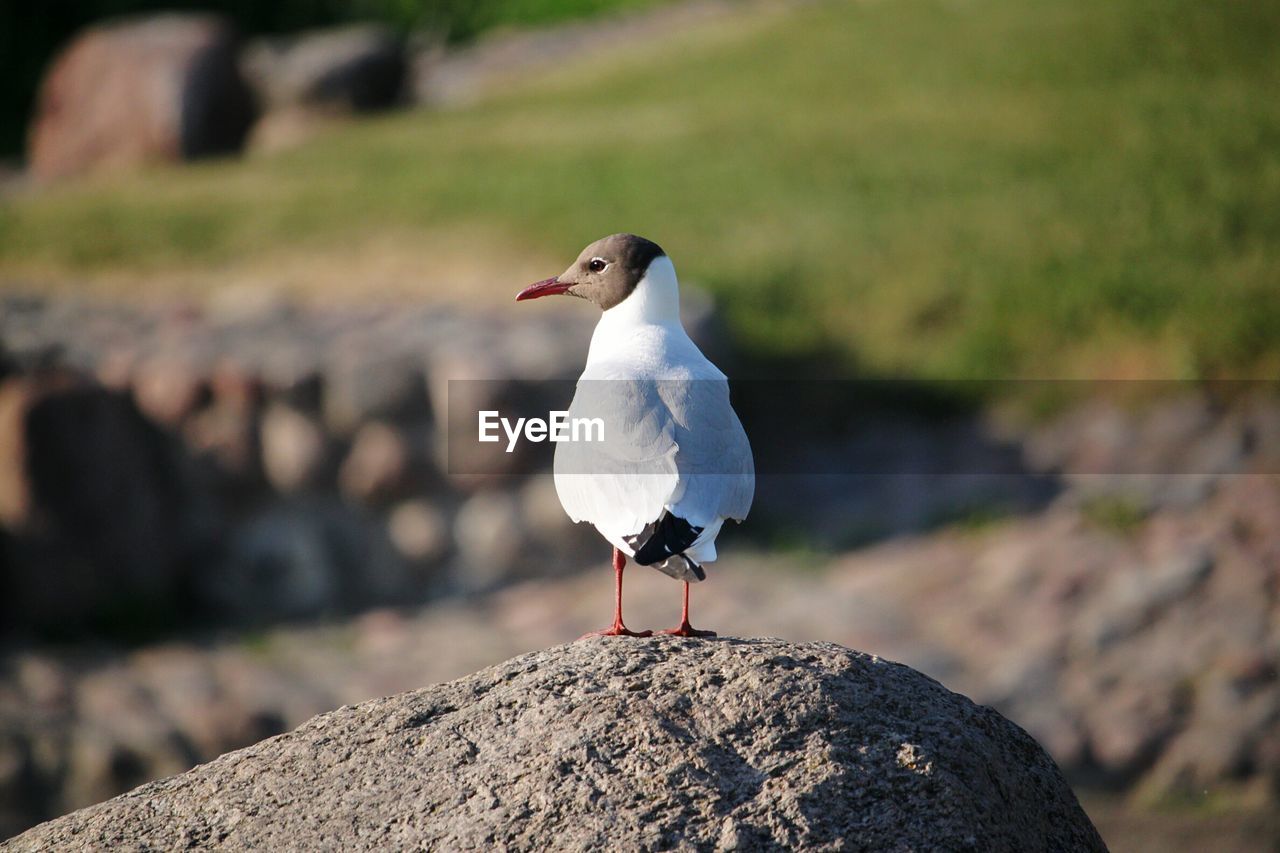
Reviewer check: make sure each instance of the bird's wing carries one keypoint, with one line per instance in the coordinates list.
(717, 472)
(622, 483)
(669, 444)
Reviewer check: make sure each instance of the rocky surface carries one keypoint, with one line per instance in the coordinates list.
(293, 462)
(307, 80)
(356, 68)
(1141, 650)
(1143, 659)
(141, 90)
(1109, 582)
(648, 744)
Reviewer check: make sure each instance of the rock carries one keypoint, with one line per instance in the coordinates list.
(491, 538)
(377, 466)
(647, 744)
(168, 390)
(540, 505)
(358, 389)
(314, 80)
(279, 565)
(16, 793)
(289, 127)
(293, 448)
(228, 437)
(563, 545)
(349, 69)
(235, 386)
(16, 398)
(94, 497)
(137, 91)
(305, 557)
(1134, 596)
(418, 531)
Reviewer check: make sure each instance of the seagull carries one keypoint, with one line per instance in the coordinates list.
(675, 462)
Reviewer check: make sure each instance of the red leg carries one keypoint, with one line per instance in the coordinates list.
(617, 629)
(685, 629)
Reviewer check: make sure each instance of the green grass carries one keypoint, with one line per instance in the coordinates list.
(986, 188)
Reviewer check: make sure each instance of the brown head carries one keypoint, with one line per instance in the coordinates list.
(605, 273)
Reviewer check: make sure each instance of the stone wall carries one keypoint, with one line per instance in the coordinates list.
(248, 466)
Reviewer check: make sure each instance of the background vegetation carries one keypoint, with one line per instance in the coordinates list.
(985, 189)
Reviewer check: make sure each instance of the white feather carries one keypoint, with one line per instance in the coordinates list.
(673, 441)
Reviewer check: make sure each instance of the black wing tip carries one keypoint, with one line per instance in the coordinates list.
(668, 537)
(682, 568)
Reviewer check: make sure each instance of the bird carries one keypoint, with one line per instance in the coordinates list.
(675, 462)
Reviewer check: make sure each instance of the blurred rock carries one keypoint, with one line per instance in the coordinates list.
(15, 487)
(419, 531)
(289, 127)
(293, 448)
(377, 466)
(361, 387)
(313, 80)
(228, 437)
(1132, 599)
(491, 539)
(1144, 658)
(43, 682)
(18, 799)
(247, 395)
(1183, 710)
(350, 69)
(563, 546)
(540, 506)
(93, 493)
(279, 566)
(137, 91)
(236, 386)
(168, 390)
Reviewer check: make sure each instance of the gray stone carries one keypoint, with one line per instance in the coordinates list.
(350, 69)
(279, 565)
(490, 535)
(360, 388)
(377, 467)
(607, 744)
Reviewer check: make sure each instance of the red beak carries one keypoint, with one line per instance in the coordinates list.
(546, 287)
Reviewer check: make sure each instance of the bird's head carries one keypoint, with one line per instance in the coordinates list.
(606, 272)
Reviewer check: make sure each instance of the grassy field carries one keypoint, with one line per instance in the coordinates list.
(941, 189)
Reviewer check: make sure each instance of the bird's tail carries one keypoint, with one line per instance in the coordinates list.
(662, 545)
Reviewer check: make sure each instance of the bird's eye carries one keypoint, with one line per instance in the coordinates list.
(597, 265)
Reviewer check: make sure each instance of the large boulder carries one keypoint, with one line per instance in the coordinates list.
(94, 502)
(623, 744)
(141, 90)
